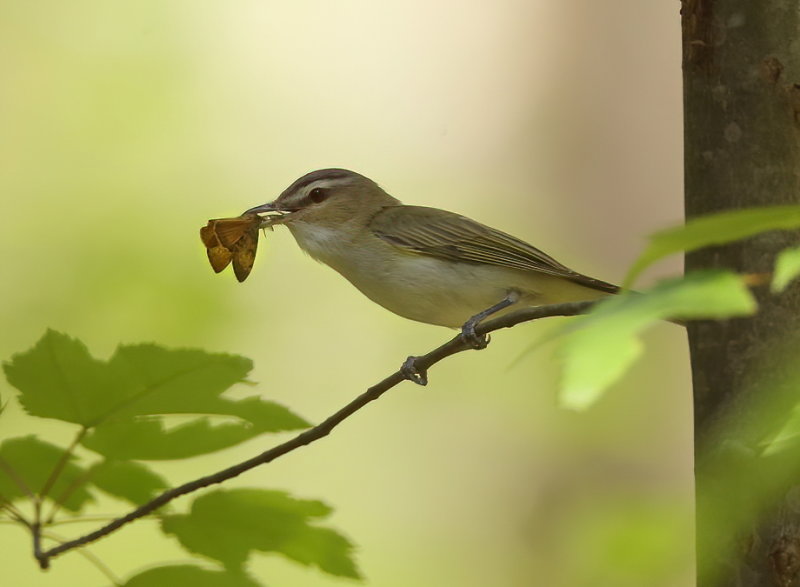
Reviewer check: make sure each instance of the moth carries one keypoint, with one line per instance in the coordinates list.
(232, 240)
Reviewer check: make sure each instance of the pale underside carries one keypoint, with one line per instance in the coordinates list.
(441, 268)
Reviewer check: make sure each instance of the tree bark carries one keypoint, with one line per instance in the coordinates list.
(741, 71)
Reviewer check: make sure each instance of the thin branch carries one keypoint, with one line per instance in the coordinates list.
(7, 504)
(62, 462)
(83, 520)
(77, 483)
(36, 534)
(15, 515)
(17, 479)
(53, 477)
(423, 363)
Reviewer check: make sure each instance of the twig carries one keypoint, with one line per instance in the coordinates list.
(73, 486)
(56, 473)
(62, 462)
(36, 534)
(18, 481)
(15, 515)
(81, 520)
(423, 363)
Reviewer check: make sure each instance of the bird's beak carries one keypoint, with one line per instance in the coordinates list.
(263, 208)
(275, 213)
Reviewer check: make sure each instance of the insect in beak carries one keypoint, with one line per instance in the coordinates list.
(232, 240)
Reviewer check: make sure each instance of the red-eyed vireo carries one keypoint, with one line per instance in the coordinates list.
(422, 263)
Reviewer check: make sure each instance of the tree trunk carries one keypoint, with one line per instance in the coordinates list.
(741, 70)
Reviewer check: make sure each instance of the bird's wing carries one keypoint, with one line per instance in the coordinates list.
(442, 234)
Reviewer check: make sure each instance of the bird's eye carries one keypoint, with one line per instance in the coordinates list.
(317, 195)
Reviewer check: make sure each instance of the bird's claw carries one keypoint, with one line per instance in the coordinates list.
(410, 371)
(473, 339)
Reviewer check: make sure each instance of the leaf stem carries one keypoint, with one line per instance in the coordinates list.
(17, 479)
(62, 462)
(55, 474)
(82, 520)
(58, 503)
(15, 514)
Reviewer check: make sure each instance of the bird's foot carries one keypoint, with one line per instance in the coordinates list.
(473, 339)
(410, 371)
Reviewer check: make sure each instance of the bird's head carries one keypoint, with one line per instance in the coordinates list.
(327, 197)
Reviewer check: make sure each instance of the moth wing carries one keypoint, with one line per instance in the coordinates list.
(231, 230)
(208, 235)
(219, 257)
(244, 253)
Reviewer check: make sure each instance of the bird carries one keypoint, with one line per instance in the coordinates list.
(422, 263)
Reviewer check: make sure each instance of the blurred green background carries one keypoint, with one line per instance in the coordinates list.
(126, 125)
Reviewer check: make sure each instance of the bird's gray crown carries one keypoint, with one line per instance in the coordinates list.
(333, 175)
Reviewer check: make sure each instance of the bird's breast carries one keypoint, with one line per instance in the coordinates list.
(419, 287)
(323, 244)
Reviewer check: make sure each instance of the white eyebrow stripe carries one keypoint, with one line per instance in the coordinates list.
(326, 183)
(301, 198)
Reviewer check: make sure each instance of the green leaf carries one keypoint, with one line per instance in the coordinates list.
(132, 482)
(147, 439)
(785, 438)
(227, 525)
(787, 268)
(600, 346)
(176, 381)
(58, 378)
(715, 229)
(26, 464)
(780, 425)
(175, 575)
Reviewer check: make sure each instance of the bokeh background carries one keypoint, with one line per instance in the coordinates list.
(126, 125)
